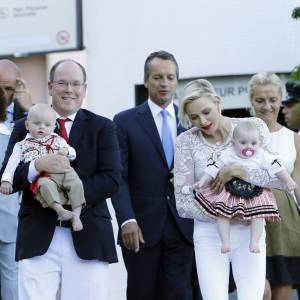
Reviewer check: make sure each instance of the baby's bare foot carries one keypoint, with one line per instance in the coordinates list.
(254, 247)
(63, 214)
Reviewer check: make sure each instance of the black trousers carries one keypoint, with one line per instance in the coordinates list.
(163, 271)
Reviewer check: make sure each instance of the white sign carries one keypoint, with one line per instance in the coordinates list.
(233, 90)
(39, 26)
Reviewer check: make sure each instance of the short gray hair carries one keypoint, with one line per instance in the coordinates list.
(164, 55)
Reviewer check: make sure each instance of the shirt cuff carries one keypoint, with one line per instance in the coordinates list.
(128, 221)
(32, 172)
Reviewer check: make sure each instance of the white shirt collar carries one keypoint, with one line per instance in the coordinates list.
(155, 109)
(71, 117)
(4, 129)
(29, 135)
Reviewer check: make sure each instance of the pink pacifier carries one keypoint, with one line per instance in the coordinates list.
(248, 152)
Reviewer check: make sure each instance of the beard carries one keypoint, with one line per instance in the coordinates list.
(163, 102)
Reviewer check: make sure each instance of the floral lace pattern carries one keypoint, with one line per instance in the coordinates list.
(193, 153)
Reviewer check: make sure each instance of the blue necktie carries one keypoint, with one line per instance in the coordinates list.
(166, 137)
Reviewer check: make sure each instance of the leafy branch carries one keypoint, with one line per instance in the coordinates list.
(295, 75)
(296, 13)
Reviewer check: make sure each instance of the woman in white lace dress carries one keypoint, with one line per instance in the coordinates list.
(211, 134)
(283, 238)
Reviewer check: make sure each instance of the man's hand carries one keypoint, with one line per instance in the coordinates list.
(132, 236)
(226, 174)
(23, 95)
(53, 163)
(6, 188)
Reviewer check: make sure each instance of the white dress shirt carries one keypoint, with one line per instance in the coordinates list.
(4, 129)
(158, 119)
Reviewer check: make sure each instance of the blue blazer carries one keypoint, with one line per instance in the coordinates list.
(98, 166)
(146, 192)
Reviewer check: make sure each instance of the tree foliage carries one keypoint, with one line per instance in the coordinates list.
(296, 13)
(295, 75)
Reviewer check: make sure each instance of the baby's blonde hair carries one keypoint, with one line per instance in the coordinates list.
(244, 128)
(41, 108)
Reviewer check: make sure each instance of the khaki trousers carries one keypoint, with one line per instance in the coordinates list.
(51, 189)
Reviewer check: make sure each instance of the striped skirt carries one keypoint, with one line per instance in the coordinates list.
(227, 205)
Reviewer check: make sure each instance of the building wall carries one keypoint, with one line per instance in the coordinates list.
(33, 70)
(208, 37)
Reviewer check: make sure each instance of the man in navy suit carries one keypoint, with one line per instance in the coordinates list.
(48, 251)
(156, 243)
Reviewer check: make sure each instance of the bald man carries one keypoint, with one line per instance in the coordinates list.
(15, 92)
(15, 101)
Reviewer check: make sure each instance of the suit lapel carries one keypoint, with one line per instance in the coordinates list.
(180, 129)
(145, 119)
(78, 128)
(56, 130)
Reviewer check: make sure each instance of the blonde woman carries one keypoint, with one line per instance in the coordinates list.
(283, 238)
(211, 134)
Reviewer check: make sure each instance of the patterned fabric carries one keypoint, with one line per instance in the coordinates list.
(240, 188)
(193, 153)
(33, 148)
(227, 205)
(240, 197)
(261, 160)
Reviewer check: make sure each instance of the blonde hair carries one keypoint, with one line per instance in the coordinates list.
(244, 127)
(192, 91)
(41, 108)
(263, 79)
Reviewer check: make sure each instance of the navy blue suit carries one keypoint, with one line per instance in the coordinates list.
(146, 194)
(98, 166)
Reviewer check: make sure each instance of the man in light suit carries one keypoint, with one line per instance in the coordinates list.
(11, 86)
(156, 243)
(50, 254)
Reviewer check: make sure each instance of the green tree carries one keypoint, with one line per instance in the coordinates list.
(295, 75)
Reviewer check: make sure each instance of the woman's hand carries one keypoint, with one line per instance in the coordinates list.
(226, 174)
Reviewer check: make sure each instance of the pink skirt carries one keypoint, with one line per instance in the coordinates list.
(229, 206)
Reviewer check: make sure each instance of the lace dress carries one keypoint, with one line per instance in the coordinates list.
(193, 153)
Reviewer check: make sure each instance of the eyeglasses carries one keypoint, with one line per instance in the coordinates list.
(64, 84)
(7, 89)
